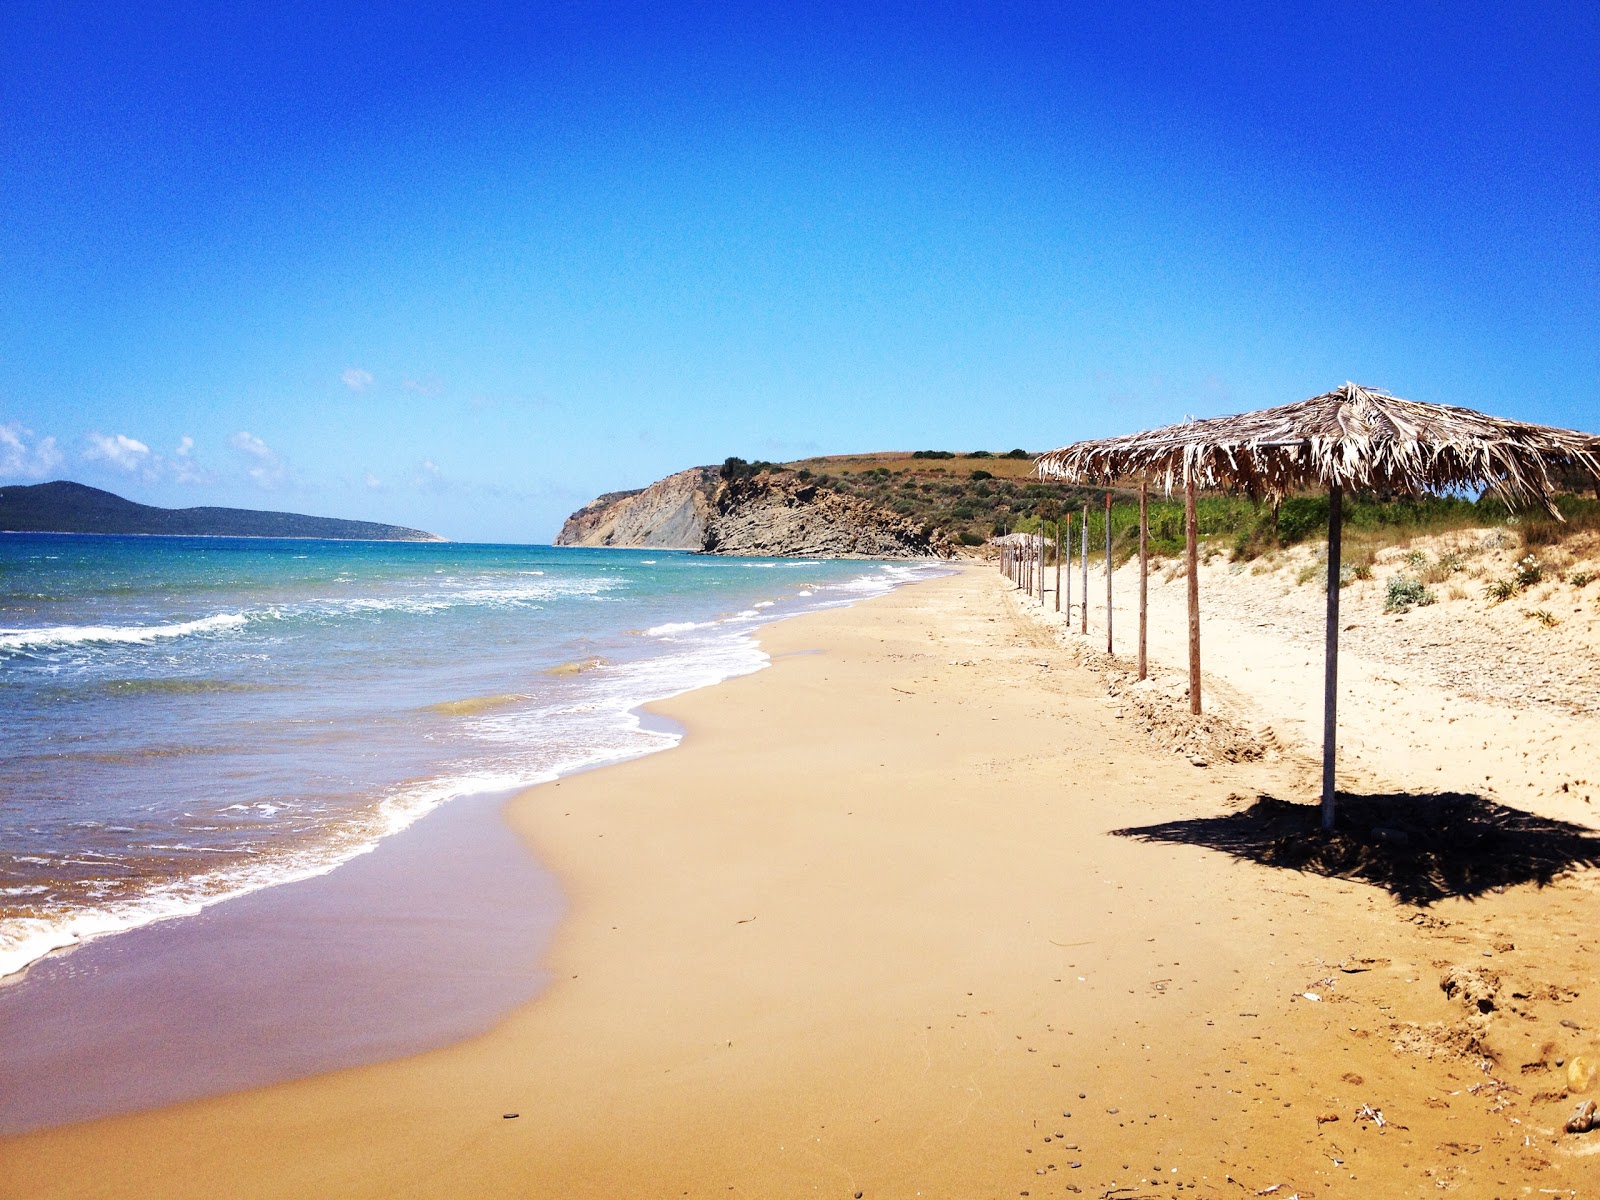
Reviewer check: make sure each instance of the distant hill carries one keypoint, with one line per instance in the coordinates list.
(66, 507)
(882, 505)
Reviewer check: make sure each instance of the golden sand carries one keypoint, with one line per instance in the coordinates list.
(869, 931)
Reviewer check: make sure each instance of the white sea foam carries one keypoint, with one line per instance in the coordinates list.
(25, 939)
(521, 747)
(671, 628)
(55, 637)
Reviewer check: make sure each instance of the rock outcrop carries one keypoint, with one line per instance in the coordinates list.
(771, 512)
(670, 514)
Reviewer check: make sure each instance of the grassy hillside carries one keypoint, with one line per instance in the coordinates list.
(978, 494)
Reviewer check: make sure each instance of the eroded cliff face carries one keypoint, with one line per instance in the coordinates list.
(670, 514)
(778, 513)
(770, 513)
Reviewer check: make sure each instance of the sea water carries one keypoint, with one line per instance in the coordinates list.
(183, 720)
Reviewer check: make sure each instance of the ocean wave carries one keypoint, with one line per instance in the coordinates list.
(58, 637)
(517, 745)
(522, 595)
(25, 939)
(675, 627)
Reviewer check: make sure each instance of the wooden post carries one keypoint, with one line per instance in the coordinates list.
(1109, 649)
(1144, 572)
(1040, 544)
(1058, 564)
(1191, 535)
(1330, 687)
(1069, 572)
(1083, 605)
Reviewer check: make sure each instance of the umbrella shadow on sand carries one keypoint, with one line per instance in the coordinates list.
(1419, 848)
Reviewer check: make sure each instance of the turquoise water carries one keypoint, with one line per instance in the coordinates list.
(189, 719)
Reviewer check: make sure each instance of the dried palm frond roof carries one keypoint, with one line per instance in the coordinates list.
(1359, 438)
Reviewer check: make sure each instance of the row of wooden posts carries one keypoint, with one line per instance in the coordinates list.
(1024, 564)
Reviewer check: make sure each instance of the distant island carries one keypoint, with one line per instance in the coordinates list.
(67, 507)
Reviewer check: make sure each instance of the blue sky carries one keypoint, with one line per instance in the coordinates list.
(464, 266)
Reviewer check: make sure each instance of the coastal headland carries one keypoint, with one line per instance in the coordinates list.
(919, 911)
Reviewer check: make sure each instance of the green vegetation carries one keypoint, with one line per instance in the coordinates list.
(1406, 593)
(737, 468)
(1527, 572)
(1500, 590)
(1001, 495)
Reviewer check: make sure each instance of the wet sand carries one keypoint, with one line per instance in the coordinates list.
(871, 930)
(430, 938)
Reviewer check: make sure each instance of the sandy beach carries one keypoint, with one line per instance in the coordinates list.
(878, 928)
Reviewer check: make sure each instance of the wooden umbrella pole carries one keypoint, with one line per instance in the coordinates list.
(1069, 572)
(1191, 534)
(1109, 649)
(1144, 571)
(1058, 564)
(1330, 693)
(1041, 562)
(1083, 604)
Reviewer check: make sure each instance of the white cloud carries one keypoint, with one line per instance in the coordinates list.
(269, 471)
(20, 460)
(356, 379)
(429, 478)
(184, 467)
(120, 450)
(373, 482)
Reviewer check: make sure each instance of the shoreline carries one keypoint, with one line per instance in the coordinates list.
(33, 939)
(119, 984)
(885, 946)
(398, 950)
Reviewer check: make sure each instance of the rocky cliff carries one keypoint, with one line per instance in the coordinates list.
(772, 512)
(670, 514)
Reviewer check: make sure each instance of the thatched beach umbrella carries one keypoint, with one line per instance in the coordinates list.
(1352, 438)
